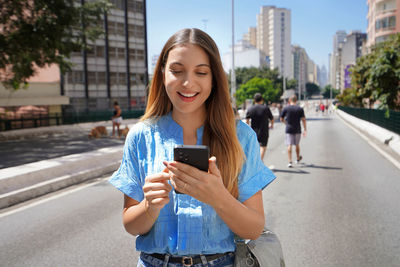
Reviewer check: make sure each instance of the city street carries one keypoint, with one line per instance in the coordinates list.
(338, 207)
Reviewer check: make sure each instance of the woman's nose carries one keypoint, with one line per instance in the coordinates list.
(188, 81)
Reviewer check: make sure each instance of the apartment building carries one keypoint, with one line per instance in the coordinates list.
(351, 49)
(115, 67)
(274, 37)
(251, 36)
(246, 55)
(383, 20)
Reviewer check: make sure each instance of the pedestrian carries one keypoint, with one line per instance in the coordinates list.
(260, 117)
(116, 119)
(189, 103)
(322, 108)
(291, 116)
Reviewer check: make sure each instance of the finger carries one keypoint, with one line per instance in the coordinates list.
(185, 171)
(156, 186)
(212, 166)
(150, 195)
(178, 184)
(157, 177)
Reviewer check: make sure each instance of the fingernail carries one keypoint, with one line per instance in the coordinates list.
(165, 163)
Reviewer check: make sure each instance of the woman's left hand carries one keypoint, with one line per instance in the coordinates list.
(204, 186)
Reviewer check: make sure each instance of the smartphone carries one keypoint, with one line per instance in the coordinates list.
(194, 155)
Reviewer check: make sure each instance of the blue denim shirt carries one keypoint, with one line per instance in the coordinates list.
(185, 225)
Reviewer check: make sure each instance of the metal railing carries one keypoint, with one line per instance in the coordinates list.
(376, 116)
(33, 121)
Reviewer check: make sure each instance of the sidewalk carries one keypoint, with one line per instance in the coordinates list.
(37, 161)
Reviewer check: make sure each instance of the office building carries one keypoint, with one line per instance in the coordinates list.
(115, 68)
(335, 59)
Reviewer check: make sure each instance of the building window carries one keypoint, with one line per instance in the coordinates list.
(385, 23)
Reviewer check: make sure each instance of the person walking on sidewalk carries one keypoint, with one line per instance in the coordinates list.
(291, 116)
(189, 103)
(116, 119)
(260, 116)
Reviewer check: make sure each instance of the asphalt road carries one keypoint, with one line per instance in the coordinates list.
(337, 208)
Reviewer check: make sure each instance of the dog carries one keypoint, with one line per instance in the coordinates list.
(98, 132)
(123, 132)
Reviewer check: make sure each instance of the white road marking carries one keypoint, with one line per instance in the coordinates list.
(46, 199)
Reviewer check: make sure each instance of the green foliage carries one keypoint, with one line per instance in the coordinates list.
(376, 76)
(244, 75)
(256, 85)
(326, 92)
(312, 89)
(350, 98)
(36, 33)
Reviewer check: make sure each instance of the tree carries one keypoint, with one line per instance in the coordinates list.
(326, 92)
(243, 75)
(256, 85)
(312, 89)
(36, 33)
(376, 76)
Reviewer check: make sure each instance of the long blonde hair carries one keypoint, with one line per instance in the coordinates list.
(219, 126)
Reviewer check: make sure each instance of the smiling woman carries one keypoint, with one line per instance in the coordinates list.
(188, 81)
(189, 103)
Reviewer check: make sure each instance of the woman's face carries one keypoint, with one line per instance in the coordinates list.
(188, 79)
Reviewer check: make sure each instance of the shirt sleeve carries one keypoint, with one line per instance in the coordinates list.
(270, 116)
(283, 114)
(127, 177)
(254, 176)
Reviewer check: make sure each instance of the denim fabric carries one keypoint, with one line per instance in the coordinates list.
(146, 260)
(185, 225)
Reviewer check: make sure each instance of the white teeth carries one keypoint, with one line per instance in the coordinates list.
(188, 95)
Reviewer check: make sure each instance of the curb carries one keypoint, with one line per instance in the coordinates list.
(24, 182)
(39, 189)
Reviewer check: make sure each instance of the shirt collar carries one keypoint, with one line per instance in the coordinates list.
(175, 130)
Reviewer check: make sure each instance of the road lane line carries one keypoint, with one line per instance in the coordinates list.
(46, 199)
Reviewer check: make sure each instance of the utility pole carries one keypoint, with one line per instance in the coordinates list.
(205, 24)
(233, 76)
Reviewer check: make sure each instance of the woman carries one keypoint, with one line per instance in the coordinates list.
(189, 104)
(116, 119)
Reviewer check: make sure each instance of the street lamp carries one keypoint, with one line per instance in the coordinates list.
(233, 76)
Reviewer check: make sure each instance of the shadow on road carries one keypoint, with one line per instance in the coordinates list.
(318, 119)
(298, 171)
(321, 167)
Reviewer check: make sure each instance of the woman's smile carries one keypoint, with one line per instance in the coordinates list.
(187, 97)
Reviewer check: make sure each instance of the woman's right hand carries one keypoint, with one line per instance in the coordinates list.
(156, 190)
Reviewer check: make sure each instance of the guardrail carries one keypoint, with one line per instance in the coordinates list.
(376, 116)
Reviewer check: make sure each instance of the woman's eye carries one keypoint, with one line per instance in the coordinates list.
(175, 71)
(202, 73)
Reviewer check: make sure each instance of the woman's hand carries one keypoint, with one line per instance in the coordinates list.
(156, 190)
(204, 186)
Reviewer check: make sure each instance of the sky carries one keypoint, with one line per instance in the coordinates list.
(314, 22)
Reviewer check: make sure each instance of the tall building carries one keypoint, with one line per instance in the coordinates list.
(115, 68)
(251, 36)
(322, 76)
(350, 51)
(335, 60)
(300, 65)
(383, 20)
(274, 37)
